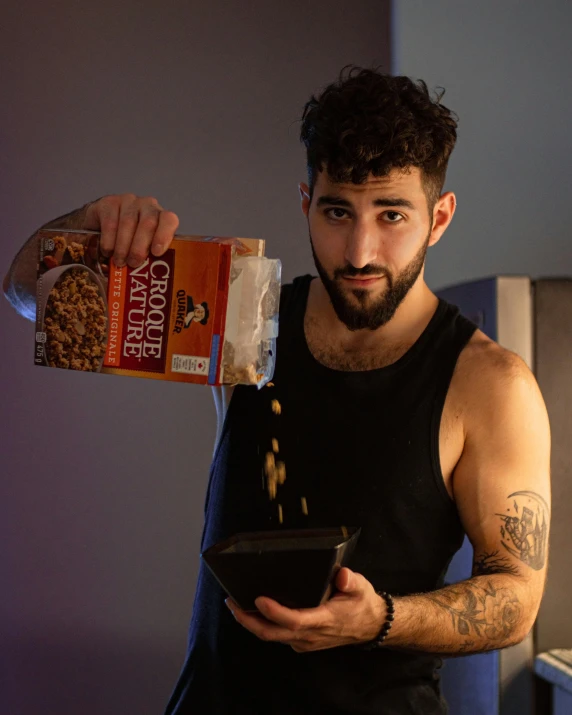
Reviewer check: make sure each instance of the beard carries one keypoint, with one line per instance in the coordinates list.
(368, 314)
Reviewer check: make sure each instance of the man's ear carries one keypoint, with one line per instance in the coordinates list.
(304, 190)
(442, 215)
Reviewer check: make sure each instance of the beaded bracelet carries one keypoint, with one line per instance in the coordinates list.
(382, 635)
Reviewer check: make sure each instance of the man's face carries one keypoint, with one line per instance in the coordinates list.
(369, 243)
(199, 313)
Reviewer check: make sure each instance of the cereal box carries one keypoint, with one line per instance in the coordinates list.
(206, 311)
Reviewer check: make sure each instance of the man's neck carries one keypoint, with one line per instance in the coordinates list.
(409, 321)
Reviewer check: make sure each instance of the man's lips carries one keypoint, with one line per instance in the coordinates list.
(362, 282)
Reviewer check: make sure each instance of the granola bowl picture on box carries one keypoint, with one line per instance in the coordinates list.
(73, 315)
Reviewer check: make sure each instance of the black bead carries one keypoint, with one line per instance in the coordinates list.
(389, 617)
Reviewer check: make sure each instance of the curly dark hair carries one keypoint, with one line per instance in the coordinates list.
(371, 122)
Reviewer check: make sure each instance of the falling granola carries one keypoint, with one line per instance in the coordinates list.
(281, 472)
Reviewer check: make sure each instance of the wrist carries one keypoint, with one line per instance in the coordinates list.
(386, 621)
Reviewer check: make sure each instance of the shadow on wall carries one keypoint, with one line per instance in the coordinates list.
(91, 675)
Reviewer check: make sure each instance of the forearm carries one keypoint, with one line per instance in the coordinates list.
(20, 281)
(480, 614)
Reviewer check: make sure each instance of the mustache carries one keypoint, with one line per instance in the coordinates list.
(352, 272)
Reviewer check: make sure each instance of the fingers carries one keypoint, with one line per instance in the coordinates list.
(146, 225)
(304, 630)
(351, 582)
(344, 580)
(132, 226)
(168, 224)
(300, 640)
(258, 625)
(107, 210)
(128, 220)
(293, 619)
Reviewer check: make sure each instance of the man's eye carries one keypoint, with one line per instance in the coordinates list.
(338, 213)
(394, 217)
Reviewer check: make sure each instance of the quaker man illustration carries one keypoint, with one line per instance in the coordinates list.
(198, 313)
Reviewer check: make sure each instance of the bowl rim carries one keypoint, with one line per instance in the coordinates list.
(353, 533)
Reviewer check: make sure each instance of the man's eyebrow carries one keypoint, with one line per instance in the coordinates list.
(387, 202)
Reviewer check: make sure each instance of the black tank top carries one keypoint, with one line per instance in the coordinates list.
(363, 449)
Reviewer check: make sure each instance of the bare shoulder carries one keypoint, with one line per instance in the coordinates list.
(484, 358)
(490, 380)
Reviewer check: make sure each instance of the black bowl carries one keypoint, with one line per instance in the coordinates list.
(296, 568)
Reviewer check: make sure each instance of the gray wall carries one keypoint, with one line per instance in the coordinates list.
(103, 478)
(506, 67)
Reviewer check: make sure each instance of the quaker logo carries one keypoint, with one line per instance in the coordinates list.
(189, 312)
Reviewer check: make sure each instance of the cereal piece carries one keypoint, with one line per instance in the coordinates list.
(272, 485)
(76, 251)
(270, 462)
(280, 516)
(276, 407)
(240, 376)
(59, 243)
(269, 384)
(344, 532)
(271, 474)
(275, 445)
(281, 472)
(304, 506)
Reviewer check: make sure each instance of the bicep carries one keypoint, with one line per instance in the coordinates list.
(502, 481)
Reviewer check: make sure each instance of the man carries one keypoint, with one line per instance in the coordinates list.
(398, 416)
(199, 313)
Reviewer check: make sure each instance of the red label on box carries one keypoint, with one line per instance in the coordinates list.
(146, 299)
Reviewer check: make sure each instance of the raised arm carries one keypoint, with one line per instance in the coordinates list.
(20, 282)
(131, 227)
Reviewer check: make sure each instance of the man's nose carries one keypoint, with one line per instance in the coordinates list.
(361, 246)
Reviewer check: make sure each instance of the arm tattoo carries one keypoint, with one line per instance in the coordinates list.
(480, 609)
(524, 528)
(486, 564)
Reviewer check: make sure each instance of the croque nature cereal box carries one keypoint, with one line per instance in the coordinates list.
(206, 311)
